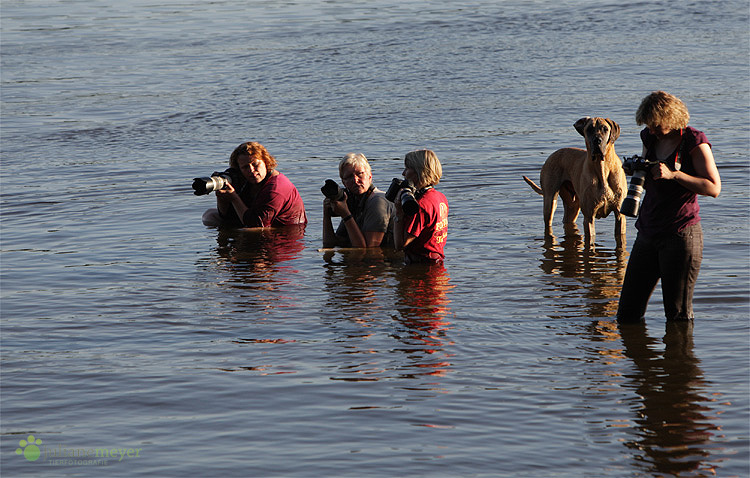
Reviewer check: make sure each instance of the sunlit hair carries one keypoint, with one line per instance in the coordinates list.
(426, 165)
(662, 109)
(255, 151)
(354, 160)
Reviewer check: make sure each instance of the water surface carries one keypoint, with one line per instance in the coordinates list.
(126, 324)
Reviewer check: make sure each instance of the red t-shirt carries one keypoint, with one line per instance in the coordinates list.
(430, 228)
(278, 203)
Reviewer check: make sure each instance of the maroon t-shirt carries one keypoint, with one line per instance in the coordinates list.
(430, 227)
(278, 203)
(667, 206)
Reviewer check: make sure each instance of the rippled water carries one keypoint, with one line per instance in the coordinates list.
(127, 325)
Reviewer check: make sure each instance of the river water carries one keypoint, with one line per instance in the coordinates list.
(137, 342)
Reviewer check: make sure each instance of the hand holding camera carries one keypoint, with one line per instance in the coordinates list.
(636, 166)
(333, 191)
(335, 200)
(217, 182)
(662, 171)
(406, 200)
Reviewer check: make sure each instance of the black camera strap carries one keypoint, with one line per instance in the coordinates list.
(357, 204)
(422, 191)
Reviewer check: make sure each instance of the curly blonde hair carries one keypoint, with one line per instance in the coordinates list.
(662, 109)
(254, 151)
(427, 166)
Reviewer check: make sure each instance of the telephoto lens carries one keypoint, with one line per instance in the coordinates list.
(408, 202)
(632, 202)
(217, 181)
(638, 166)
(332, 191)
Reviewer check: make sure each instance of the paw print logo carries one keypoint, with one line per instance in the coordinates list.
(29, 448)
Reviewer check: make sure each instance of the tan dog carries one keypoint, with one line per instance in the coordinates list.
(590, 180)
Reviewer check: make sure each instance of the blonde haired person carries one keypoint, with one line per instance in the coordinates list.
(366, 214)
(264, 197)
(422, 235)
(669, 245)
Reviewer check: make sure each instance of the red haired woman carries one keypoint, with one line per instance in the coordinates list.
(265, 198)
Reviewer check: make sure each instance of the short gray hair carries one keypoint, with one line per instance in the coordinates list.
(354, 159)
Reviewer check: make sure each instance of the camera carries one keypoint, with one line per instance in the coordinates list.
(332, 191)
(408, 201)
(637, 166)
(216, 182)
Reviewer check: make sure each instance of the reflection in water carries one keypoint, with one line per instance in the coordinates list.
(353, 280)
(672, 430)
(597, 274)
(423, 309)
(356, 281)
(256, 266)
(360, 287)
(262, 247)
(256, 260)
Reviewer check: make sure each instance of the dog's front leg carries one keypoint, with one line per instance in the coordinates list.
(589, 232)
(550, 205)
(619, 229)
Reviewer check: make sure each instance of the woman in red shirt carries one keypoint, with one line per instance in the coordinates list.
(422, 235)
(265, 198)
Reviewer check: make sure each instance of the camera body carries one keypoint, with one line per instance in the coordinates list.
(638, 166)
(634, 163)
(217, 181)
(408, 202)
(333, 191)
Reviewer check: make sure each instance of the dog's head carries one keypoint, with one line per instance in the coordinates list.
(599, 134)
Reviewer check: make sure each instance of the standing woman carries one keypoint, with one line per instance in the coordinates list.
(422, 235)
(669, 245)
(266, 197)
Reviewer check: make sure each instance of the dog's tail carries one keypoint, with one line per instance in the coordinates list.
(533, 185)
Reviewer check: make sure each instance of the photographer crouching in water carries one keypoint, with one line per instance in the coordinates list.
(669, 245)
(366, 214)
(256, 195)
(421, 211)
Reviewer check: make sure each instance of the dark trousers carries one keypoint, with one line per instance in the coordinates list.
(676, 260)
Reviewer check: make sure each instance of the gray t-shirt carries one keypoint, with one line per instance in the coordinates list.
(376, 215)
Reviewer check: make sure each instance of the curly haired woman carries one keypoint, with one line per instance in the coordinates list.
(669, 245)
(265, 198)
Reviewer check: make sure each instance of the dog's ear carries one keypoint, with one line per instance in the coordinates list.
(614, 130)
(579, 125)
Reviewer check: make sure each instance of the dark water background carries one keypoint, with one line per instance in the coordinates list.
(126, 324)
